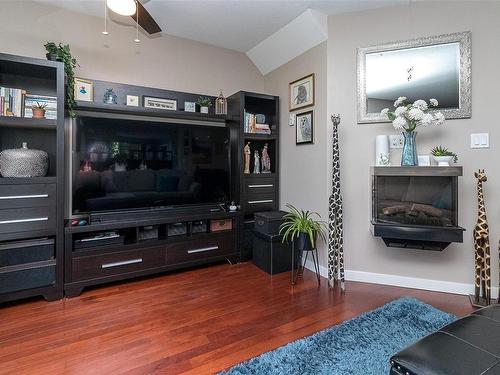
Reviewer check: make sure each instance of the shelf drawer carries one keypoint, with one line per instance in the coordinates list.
(27, 276)
(200, 249)
(34, 195)
(27, 219)
(96, 266)
(263, 202)
(21, 252)
(259, 183)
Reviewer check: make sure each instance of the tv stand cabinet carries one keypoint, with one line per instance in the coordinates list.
(133, 256)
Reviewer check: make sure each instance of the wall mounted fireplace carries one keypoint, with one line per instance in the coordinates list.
(416, 207)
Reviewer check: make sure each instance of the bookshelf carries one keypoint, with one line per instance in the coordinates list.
(32, 209)
(254, 192)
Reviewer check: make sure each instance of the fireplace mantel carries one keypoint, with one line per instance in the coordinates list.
(416, 207)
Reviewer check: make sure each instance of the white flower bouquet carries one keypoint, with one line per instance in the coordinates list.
(410, 116)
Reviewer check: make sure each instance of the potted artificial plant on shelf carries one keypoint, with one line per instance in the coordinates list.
(302, 227)
(60, 52)
(204, 104)
(39, 110)
(443, 156)
(408, 117)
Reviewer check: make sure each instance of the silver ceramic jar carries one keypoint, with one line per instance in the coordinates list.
(23, 162)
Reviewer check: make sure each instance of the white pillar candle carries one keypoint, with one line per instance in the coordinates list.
(382, 157)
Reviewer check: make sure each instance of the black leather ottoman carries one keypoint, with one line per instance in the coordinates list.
(468, 346)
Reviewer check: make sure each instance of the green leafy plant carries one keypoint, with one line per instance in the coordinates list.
(63, 54)
(39, 106)
(203, 101)
(443, 151)
(299, 221)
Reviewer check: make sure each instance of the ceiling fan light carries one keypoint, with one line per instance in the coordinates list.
(122, 7)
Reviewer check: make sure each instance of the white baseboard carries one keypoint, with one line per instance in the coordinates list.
(405, 281)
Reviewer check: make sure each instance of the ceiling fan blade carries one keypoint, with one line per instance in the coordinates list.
(146, 21)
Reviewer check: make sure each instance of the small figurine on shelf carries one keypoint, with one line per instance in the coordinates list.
(256, 163)
(247, 152)
(266, 160)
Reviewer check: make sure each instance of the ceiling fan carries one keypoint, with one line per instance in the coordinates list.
(136, 10)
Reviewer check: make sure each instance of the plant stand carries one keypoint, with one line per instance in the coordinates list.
(295, 275)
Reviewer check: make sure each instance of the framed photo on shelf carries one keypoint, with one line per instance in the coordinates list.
(84, 90)
(189, 106)
(160, 103)
(301, 93)
(304, 129)
(133, 100)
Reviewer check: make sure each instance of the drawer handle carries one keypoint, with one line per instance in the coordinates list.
(6, 197)
(203, 249)
(123, 263)
(99, 238)
(260, 186)
(15, 221)
(262, 201)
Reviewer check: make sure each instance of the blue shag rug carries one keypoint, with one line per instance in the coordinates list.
(362, 345)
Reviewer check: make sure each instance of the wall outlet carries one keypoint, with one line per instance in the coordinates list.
(396, 141)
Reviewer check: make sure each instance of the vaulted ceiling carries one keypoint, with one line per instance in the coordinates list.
(239, 25)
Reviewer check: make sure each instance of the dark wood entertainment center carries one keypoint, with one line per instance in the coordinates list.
(207, 234)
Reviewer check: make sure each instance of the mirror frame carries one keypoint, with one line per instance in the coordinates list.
(465, 101)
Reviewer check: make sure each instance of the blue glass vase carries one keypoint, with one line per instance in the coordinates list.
(409, 158)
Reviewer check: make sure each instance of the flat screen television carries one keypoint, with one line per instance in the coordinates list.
(129, 164)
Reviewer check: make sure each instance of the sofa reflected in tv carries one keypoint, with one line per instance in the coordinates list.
(115, 190)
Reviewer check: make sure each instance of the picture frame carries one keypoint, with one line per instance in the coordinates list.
(189, 107)
(291, 119)
(304, 129)
(160, 103)
(301, 93)
(83, 90)
(132, 100)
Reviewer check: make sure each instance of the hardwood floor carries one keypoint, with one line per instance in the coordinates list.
(193, 322)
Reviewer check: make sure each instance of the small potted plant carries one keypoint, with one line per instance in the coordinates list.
(302, 227)
(204, 104)
(39, 110)
(59, 52)
(443, 156)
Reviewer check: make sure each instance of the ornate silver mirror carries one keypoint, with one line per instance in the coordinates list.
(434, 67)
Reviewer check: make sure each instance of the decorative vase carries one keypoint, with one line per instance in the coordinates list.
(38, 113)
(23, 162)
(203, 109)
(409, 157)
(110, 97)
(443, 161)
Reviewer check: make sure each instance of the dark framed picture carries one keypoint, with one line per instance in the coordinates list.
(302, 92)
(304, 128)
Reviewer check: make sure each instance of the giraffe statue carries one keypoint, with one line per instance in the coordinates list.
(482, 246)
(335, 224)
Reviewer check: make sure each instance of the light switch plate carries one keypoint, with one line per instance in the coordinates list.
(480, 140)
(396, 141)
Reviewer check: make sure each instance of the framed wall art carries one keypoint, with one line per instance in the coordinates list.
(84, 90)
(304, 128)
(160, 103)
(301, 93)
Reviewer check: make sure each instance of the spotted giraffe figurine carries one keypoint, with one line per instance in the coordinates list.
(482, 246)
(335, 219)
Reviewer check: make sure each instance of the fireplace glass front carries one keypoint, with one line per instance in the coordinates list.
(415, 200)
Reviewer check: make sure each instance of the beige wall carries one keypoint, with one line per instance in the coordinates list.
(303, 177)
(167, 62)
(349, 31)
